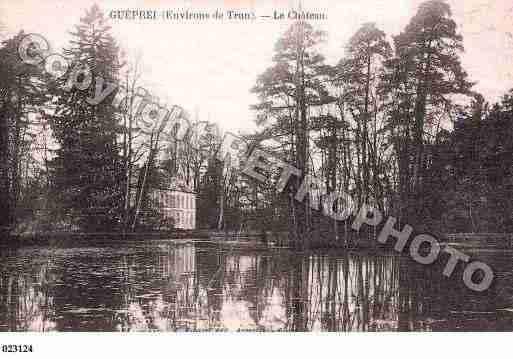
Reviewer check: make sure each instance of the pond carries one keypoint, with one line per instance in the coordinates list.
(167, 286)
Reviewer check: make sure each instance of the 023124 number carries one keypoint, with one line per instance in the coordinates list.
(17, 348)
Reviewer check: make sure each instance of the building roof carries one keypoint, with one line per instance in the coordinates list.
(175, 185)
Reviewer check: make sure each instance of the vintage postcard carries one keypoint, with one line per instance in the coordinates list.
(255, 166)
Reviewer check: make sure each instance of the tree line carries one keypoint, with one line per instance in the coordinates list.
(70, 166)
(394, 123)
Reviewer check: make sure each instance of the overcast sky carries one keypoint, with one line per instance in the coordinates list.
(212, 65)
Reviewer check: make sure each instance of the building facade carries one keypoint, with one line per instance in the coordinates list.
(178, 204)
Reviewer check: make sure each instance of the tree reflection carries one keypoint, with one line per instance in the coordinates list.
(173, 287)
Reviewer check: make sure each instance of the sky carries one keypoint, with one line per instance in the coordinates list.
(209, 67)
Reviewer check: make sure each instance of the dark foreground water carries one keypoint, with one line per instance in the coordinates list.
(162, 286)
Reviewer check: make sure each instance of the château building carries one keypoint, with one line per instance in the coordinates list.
(177, 202)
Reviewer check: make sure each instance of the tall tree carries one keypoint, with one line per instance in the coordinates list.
(22, 95)
(420, 79)
(88, 166)
(288, 90)
(357, 76)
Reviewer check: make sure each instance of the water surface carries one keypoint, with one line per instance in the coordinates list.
(165, 286)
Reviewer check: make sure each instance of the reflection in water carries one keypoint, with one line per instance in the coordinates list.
(173, 287)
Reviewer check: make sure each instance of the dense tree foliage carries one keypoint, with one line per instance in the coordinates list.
(394, 124)
(22, 96)
(88, 174)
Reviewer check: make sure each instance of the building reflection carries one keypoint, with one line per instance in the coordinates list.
(171, 287)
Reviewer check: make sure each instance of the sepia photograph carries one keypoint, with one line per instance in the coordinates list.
(255, 166)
